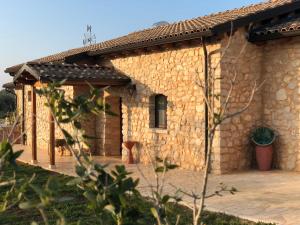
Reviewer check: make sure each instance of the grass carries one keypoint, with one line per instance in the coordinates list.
(76, 210)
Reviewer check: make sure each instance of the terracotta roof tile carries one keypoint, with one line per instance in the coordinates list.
(73, 72)
(278, 29)
(198, 26)
(11, 85)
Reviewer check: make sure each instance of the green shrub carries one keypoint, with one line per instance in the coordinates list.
(263, 136)
(7, 103)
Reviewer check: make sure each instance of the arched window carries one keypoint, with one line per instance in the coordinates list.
(160, 107)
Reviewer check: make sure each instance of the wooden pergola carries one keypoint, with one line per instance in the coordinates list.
(38, 74)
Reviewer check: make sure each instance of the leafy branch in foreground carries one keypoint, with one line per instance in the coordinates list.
(17, 188)
(45, 197)
(14, 187)
(162, 210)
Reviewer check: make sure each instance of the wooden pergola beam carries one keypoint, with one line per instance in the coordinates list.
(33, 121)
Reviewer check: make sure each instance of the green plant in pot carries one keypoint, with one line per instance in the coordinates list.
(263, 138)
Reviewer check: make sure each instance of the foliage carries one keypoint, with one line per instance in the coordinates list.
(7, 155)
(14, 187)
(107, 193)
(7, 103)
(162, 210)
(44, 196)
(61, 197)
(263, 136)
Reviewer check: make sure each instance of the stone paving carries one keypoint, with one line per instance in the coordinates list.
(262, 196)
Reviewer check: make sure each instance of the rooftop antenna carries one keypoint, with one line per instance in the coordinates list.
(89, 38)
(160, 23)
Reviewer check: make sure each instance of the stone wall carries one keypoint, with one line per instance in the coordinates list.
(19, 101)
(19, 113)
(42, 119)
(172, 73)
(233, 139)
(281, 98)
(27, 113)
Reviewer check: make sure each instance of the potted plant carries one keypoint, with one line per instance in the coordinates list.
(263, 138)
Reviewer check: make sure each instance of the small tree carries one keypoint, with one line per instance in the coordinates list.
(217, 110)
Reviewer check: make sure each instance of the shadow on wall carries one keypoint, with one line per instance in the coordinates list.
(243, 60)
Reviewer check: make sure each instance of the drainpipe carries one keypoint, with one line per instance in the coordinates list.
(205, 54)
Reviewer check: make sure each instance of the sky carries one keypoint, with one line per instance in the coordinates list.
(35, 28)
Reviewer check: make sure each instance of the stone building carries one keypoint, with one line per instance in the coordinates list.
(151, 79)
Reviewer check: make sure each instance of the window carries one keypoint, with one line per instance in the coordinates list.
(29, 96)
(160, 107)
(158, 111)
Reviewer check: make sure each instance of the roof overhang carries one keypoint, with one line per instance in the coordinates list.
(12, 86)
(26, 75)
(13, 69)
(71, 74)
(288, 27)
(273, 36)
(162, 41)
(256, 17)
(215, 30)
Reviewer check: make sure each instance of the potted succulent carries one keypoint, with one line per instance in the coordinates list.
(263, 138)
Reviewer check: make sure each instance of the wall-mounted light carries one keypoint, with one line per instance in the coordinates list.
(131, 88)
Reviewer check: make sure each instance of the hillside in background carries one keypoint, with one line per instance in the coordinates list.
(7, 103)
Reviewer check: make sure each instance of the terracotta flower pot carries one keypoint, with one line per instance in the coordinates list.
(264, 156)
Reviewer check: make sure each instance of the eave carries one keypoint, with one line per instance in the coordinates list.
(273, 36)
(158, 42)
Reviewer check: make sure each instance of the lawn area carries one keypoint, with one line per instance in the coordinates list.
(76, 210)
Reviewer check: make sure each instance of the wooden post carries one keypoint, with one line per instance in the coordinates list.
(23, 116)
(33, 120)
(52, 141)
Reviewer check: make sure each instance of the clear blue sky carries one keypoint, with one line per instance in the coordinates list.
(30, 29)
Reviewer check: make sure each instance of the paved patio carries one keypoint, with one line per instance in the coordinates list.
(263, 196)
